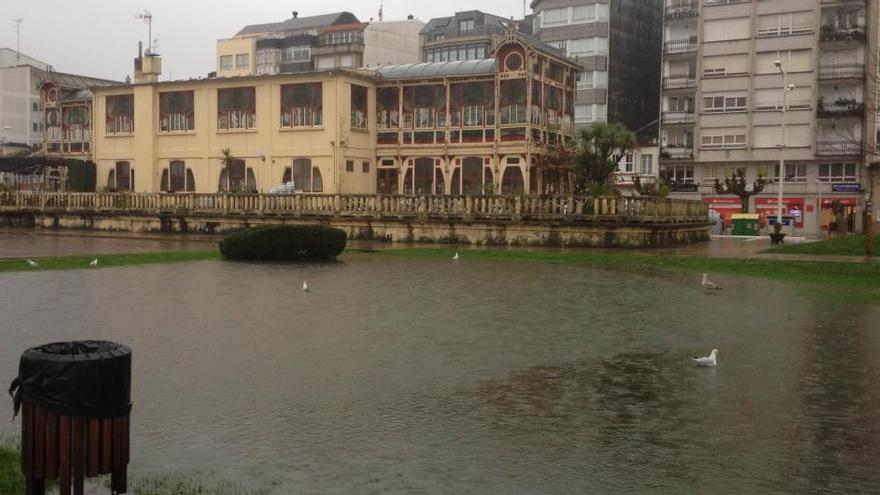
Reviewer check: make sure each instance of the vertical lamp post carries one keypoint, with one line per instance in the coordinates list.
(785, 90)
(819, 210)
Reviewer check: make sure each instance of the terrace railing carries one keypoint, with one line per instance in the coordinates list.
(490, 208)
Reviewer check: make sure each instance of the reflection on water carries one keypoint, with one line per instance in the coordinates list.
(409, 375)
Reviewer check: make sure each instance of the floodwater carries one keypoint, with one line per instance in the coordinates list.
(403, 375)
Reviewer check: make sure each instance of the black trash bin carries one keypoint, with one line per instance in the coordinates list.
(75, 400)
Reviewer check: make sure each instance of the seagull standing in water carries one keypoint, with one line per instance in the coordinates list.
(711, 360)
(708, 284)
(305, 286)
(455, 258)
(33, 263)
(94, 263)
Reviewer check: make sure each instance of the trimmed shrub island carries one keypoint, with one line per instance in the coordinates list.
(284, 243)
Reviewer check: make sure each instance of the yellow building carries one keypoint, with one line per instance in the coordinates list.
(446, 128)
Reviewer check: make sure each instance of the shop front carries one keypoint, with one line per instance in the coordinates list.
(766, 208)
(724, 207)
(838, 214)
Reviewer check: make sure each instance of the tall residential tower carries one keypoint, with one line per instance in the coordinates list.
(726, 63)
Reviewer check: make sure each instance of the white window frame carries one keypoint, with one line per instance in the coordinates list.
(729, 104)
(723, 139)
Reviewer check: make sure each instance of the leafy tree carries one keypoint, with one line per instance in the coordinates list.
(737, 186)
(601, 148)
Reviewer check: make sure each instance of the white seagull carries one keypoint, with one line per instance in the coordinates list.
(305, 286)
(712, 360)
(708, 284)
(455, 258)
(33, 263)
(94, 263)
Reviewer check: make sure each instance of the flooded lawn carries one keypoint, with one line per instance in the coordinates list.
(409, 375)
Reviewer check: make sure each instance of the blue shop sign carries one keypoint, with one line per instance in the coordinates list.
(846, 188)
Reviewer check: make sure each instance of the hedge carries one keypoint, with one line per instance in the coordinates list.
(284, 243)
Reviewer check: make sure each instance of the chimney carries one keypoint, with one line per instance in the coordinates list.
(410, 17)
(147, 68)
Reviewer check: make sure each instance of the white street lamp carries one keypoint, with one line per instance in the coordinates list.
(819, 210)
(786, 89)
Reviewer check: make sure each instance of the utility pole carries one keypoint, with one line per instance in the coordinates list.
(18, 40)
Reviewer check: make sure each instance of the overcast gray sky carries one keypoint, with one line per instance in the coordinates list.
(99, 37)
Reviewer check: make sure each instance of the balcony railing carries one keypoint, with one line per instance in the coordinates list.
(674, 152)
(838, 147)
(682, 10)
(713, 3)
(842, 33)
(840, 109)
(673, 47)
(679, 82)
(679, 118)
(842, 71)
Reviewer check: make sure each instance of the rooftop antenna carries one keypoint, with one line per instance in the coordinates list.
(18, 40)
(147, 17)
(381, 9)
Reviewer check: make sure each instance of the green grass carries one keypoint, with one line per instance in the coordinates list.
(106, 260)
(837, 281)
(11, 479)
(853, 245)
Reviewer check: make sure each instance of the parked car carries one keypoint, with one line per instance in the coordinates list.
(284, 188)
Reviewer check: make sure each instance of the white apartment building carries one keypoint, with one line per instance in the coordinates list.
(722, 104)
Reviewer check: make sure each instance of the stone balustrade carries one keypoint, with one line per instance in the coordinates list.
(512, 208)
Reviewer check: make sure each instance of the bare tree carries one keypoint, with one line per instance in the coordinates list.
(738, 186)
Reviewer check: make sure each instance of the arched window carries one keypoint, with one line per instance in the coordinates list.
(232, 176)
(178, 175)
(251, 185)
(472, 176)
(512, 181)
(121, 178)
(408, 181)
(424, 175)
(178, 178)
(190, 181)
(439, 183)
(489, 185)
(455, 185)
(307, 178)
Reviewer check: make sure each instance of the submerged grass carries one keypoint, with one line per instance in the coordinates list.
(185, 485)
(853, 245)
(106, 260)
(840, 282)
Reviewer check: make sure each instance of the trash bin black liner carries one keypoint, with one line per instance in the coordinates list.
(85, 379)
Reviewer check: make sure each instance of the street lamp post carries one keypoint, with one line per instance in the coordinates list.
(819, 209)
(785, 90)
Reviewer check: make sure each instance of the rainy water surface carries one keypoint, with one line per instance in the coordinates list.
(401, 375)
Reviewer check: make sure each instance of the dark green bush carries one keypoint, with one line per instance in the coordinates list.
(284, 243)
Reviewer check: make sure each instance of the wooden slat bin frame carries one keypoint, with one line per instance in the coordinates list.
(66, 449)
